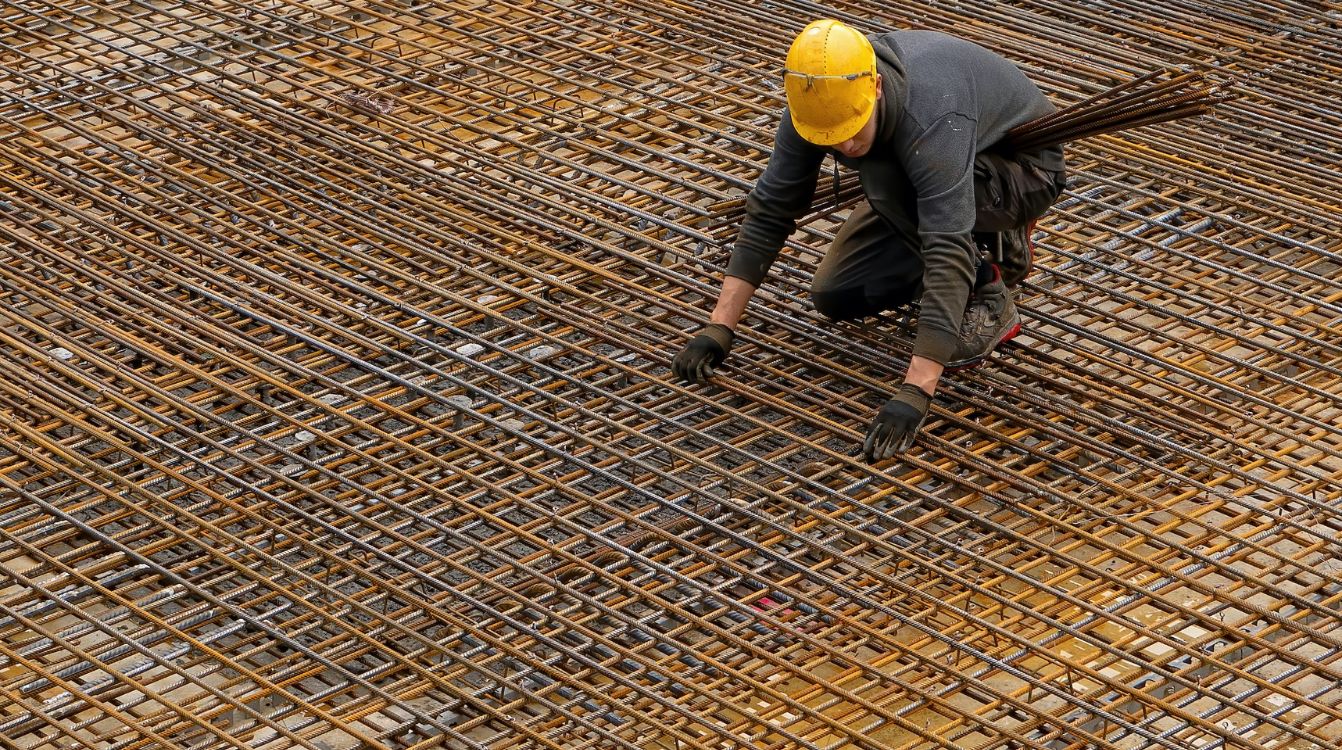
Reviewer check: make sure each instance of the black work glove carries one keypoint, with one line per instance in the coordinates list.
(705, 351)
(896, 423)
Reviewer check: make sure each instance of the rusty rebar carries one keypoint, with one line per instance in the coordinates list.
(336, 410)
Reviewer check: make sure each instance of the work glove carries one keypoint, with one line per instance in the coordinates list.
(896, 423)
(705, 351)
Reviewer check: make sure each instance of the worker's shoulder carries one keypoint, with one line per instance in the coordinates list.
(918, 42)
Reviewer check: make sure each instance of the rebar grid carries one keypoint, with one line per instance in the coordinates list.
(336, 409)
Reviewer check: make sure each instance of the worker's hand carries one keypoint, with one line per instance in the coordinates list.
(705, 351)
(897, 423)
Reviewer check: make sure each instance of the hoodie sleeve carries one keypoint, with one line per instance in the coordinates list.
(782, 195)
(940, 165)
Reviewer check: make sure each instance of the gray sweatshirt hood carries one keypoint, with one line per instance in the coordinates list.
(894, 86)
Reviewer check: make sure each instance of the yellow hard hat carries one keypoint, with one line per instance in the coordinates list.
(830, 80)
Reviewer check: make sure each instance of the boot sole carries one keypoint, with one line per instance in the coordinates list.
(970, 364)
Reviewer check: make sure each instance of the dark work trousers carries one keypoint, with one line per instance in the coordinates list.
(873, 264)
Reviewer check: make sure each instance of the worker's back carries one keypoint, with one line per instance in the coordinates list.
(948, 75)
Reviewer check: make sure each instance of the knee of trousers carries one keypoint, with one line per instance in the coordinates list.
(840, 304)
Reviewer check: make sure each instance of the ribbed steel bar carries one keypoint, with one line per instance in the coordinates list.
(336, 409)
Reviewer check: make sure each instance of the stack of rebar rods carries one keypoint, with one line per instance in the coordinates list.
(1159, 96)
(335, 408)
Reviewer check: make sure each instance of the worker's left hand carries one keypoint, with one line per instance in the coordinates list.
(897, 423)
(695, 363)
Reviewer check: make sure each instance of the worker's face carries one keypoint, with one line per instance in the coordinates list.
(860, 144)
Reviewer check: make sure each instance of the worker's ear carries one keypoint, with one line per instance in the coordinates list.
(878, 87)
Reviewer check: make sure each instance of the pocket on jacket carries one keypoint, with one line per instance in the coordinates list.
(987, 186)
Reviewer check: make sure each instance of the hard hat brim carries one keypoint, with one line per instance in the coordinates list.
(835, 134)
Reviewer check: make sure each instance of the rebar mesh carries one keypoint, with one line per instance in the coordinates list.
(336, 409)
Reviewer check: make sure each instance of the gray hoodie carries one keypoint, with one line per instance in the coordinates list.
(943, 101)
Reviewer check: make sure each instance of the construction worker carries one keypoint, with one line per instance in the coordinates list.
(947, 216)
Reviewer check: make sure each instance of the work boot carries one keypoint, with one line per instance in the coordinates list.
(1012, 251)
(990, 319)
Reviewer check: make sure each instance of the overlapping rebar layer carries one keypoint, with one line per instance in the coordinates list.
(336, 409)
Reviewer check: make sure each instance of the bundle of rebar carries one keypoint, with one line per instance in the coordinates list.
(1160, 96)
(335, 408)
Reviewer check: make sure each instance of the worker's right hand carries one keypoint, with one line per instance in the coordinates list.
(897, 423)
(705, 351)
